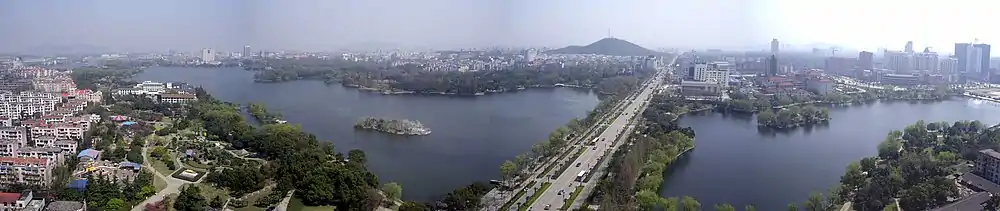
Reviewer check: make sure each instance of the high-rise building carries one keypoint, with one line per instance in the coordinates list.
(949, 65)
(711, 73)
(246, 51)
(909, 47)
(983, 53)
(898, 61)
(530, 54)
(866, 60)
(207, 55)
(926, 61)
(962, 56)
(772, 66)
(774, 47)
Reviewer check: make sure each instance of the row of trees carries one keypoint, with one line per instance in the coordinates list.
(608, 78)
(913, 166)
(792, 116)
(98, 78)
(260, 112)
(639, 167)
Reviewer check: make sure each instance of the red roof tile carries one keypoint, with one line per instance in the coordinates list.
(17, 160)
(9, 197)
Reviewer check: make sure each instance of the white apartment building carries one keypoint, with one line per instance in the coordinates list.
(711, 73)
(177, 98)
(27, 171)
(13, 133)
(8, 147)
(151, 87)
(207, 55)
(12, 106)
(52, 154)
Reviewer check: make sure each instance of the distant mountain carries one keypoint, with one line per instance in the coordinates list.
(607, 46)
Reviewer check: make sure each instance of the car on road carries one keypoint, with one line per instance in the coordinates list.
(547, 206)
(578, 164)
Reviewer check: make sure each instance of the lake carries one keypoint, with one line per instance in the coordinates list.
(471, 135)
(735, 163)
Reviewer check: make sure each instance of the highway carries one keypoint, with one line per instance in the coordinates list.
(588, 160)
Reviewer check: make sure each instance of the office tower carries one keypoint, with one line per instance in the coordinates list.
(246, 51)
(909, 47)
(983, 53)
(866, 60)
(207, 55)
(925, 61)
(774, 47)
(772, 66)
(962, 56)
(949, 65)
(897, 61)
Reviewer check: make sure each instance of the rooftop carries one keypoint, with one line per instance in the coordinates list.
(991, 153)
(9, 197)
(64, 206)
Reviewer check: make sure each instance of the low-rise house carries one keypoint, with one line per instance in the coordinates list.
(20, 201)
(89, 155)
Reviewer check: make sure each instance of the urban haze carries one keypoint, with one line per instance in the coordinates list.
(449, 105)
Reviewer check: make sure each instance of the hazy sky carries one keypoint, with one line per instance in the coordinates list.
(141, 25)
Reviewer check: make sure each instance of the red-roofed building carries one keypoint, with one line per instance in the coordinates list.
(25, 171)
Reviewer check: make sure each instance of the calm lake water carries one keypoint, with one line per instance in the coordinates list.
(471, 135)
(735, 163)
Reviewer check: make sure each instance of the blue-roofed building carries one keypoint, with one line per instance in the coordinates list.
(79, 185)
(88, 155)
(128, 123)
(129, 165)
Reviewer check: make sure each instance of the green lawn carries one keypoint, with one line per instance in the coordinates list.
(534, 196)
(210, 192)
(295, 204)
(157, 182)
(197, 166)
(161, 167)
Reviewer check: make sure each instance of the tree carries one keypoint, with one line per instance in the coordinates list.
(507, 170)
(792, 207)
(724, 207)
(647, 199)
(357, 156)
(690, 204)
(114, 204)
(190, 199)
(749, 207)
(853, 177)
(217, 202)
(815, 202)
(392, 190)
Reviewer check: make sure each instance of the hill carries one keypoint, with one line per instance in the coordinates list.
(607, 46)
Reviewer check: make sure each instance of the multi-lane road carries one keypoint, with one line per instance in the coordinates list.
(562, 187)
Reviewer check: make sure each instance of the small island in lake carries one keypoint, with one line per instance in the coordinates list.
(393, 126)
(792, 117)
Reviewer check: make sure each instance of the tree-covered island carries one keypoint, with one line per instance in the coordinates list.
(393, 126)
(792, 117)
